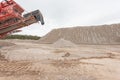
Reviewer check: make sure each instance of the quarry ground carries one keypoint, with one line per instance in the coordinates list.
(29, 60)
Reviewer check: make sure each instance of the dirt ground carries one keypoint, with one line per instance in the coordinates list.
(29, 60)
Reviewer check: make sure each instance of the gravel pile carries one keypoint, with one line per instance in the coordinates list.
(63, 43)
(104, 34)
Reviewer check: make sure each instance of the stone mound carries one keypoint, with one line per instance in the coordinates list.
(104, 34)
(63, 43)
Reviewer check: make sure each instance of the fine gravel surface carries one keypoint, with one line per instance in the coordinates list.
(5, 43)
(28, 60)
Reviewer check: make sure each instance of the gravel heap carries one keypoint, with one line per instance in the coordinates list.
(63, 43)
(104, 34)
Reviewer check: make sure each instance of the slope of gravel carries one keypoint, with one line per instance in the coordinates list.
(61, 43)
(105, 34)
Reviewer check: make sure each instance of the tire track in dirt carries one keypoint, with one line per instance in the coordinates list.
(14, 68)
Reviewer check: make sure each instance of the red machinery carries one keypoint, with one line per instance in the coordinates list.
(11, 17)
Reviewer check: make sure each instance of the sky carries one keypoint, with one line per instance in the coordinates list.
(70, 13)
